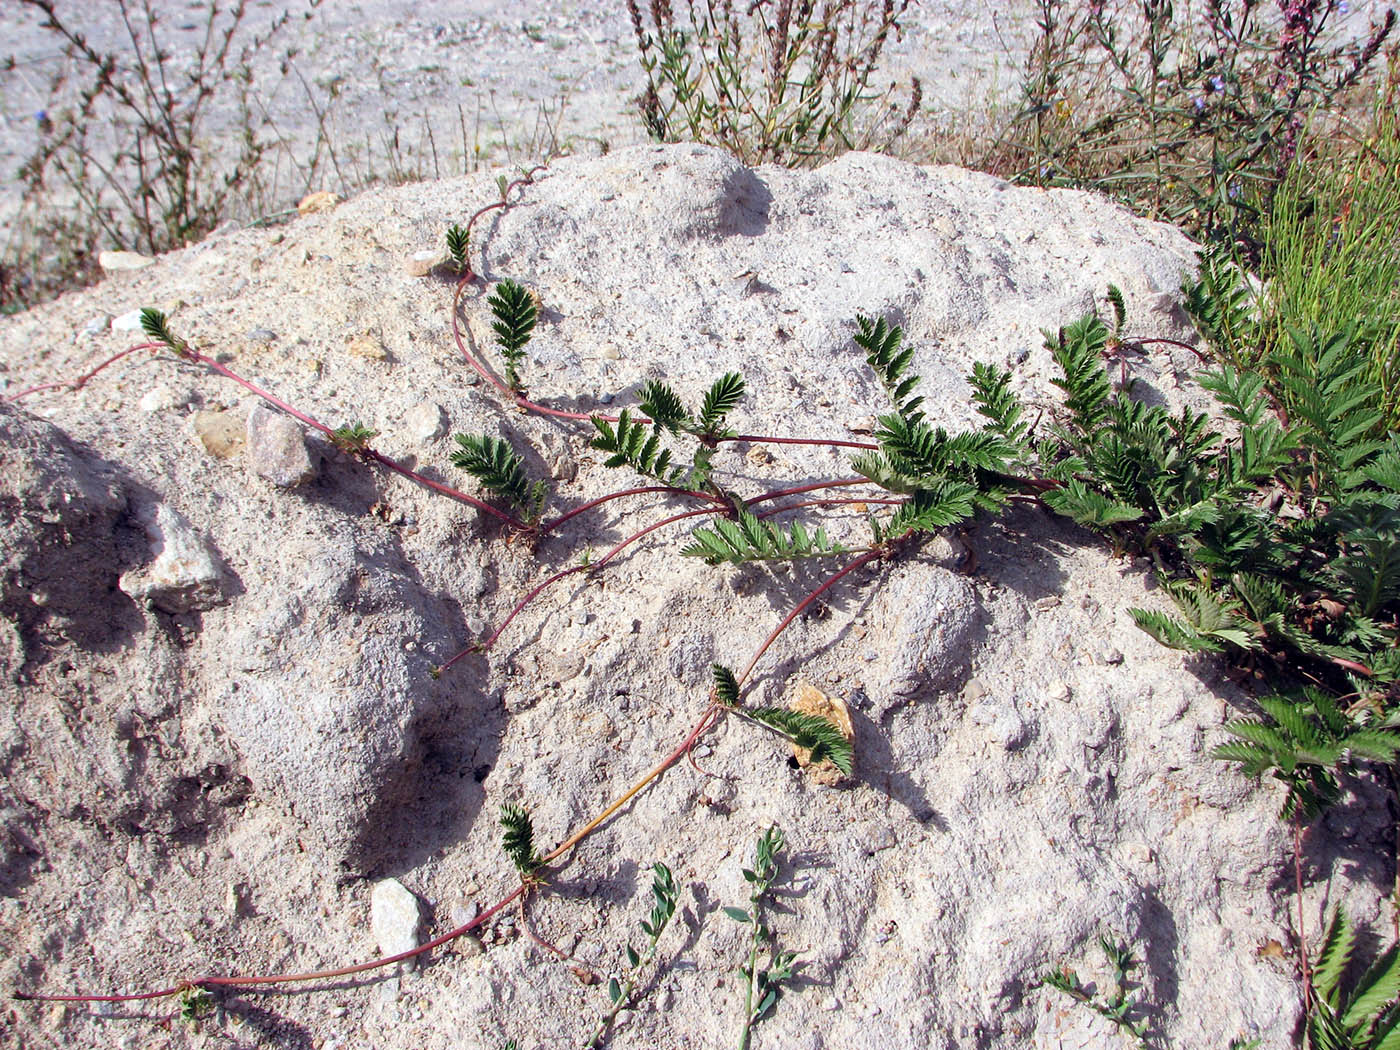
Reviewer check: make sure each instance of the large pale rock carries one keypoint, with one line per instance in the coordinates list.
(992, 831)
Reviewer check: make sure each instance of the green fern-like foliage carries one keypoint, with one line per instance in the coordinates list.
(664, 406)
(1331, 403)
(726, 685)
(991, 392)
(948, 477)
(886, 354)
(501, 470)
(1209, 621)
(157, 328)
(1078, 351)
(353, 438)
(514, 309)
(1364, 1016)
(1120, 308)
(722, 398)
(518, 839)
(638, 446)
(1218, 301)
(1304, 742)
(818, 735)
(458, 241)
(750, 539)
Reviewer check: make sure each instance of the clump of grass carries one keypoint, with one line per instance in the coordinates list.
(773, 80)
(1331, 252)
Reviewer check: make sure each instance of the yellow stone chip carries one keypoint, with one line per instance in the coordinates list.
(812, 701)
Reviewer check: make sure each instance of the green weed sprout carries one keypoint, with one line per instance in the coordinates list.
(622, 991)
(767, 967)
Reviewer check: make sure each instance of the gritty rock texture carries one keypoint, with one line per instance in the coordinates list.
(277, 448)
(1032, 771)
(183, 574)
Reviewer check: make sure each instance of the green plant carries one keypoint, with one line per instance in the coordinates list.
(1305, 741)
(767, 967)
(195, 1005)
(124, 156)
(518, 840)
(1364, 1016)
(778, 82)
(1119, 1005)
(622, 991)
(1190, 113)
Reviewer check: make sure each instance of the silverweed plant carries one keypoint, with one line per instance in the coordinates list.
(785, 81)
(1360, 1014)
(1273, 528)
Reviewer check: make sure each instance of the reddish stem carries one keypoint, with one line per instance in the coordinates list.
(1169, 342)
(893, 502)
(550, 526)
(446, 490)
(284, 978)
(535, 592)
(760, 439)
(798, 490)
(830, 582)
(81, 381)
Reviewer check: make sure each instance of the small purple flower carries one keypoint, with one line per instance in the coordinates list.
(1344, 7)
(1199, 104)
(1234, 191)
(1216, 83)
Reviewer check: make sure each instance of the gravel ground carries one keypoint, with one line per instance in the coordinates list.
(472, 83)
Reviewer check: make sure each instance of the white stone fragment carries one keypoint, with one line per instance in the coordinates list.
(394, 918)
(425, 421)
(184, 575)
(114, 262)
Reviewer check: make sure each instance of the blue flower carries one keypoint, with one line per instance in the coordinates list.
(1199, 104)
(1216, 83)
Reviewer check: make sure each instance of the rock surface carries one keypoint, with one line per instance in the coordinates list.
(1018, 792)
(277, 449)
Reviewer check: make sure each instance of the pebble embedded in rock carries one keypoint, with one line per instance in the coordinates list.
(159, 398)
(369, 346)
(425, 421)
(394, 917)
(222, 432)
(1110, 655)
(277, 449)
(260, 335)
(184, 575)
(420, 264)
(97, 325)
(127, 322)
(321, 200)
